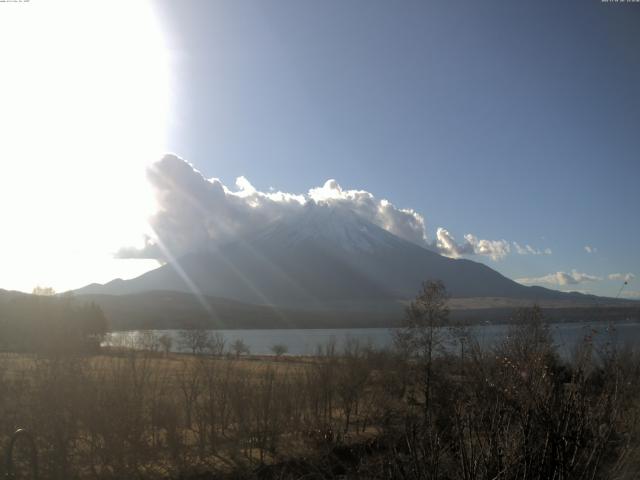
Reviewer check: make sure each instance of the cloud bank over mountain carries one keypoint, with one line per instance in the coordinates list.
(196, 213)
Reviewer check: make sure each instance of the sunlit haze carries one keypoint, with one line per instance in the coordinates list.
(84, 103)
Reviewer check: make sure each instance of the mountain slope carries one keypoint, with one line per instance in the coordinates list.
(170, 309)
(323, 258)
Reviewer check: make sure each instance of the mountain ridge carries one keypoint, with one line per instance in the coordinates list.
(326, 258)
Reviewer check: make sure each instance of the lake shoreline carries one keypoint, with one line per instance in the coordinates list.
(306, 342)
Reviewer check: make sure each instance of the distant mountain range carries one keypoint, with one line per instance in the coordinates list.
(325, 266)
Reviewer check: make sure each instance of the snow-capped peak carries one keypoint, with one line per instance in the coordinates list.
(332, 226)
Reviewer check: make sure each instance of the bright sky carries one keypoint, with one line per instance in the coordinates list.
(506, 120)
(84, 98)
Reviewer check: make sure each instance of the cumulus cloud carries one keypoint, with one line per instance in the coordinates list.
(446, 244)
(622, 277)
(403, 222)
(529, 250)
(590, 249)
(196, 213)
(496, 249)
(560, 278)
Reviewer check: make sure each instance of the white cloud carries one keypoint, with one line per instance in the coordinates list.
(196, 213)
(626, 277)
(446, 244)
(405, 223)
(529, 250)
(496, 249)
(560, 278)
(630, 294)
(590, 249)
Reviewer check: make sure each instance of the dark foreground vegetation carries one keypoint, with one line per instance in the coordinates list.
(48, 324)
(436, 406)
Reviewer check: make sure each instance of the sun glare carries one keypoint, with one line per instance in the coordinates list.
(84, 98)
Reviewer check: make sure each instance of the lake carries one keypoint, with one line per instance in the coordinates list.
(306, 341)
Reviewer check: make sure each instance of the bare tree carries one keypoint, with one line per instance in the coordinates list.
(166, 342)
(148, 341)
(195, 340)
(351, 379)
(43, 291)
(216, 344)
(279, 349)
(239, 347)
(421, 334)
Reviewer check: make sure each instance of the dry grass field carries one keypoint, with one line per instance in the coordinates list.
(515, 410)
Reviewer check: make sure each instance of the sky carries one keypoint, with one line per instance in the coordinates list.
(513, 123)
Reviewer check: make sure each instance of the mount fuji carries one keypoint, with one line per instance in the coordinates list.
(324, 258)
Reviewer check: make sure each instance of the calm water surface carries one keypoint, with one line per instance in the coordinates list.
(306, 341)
